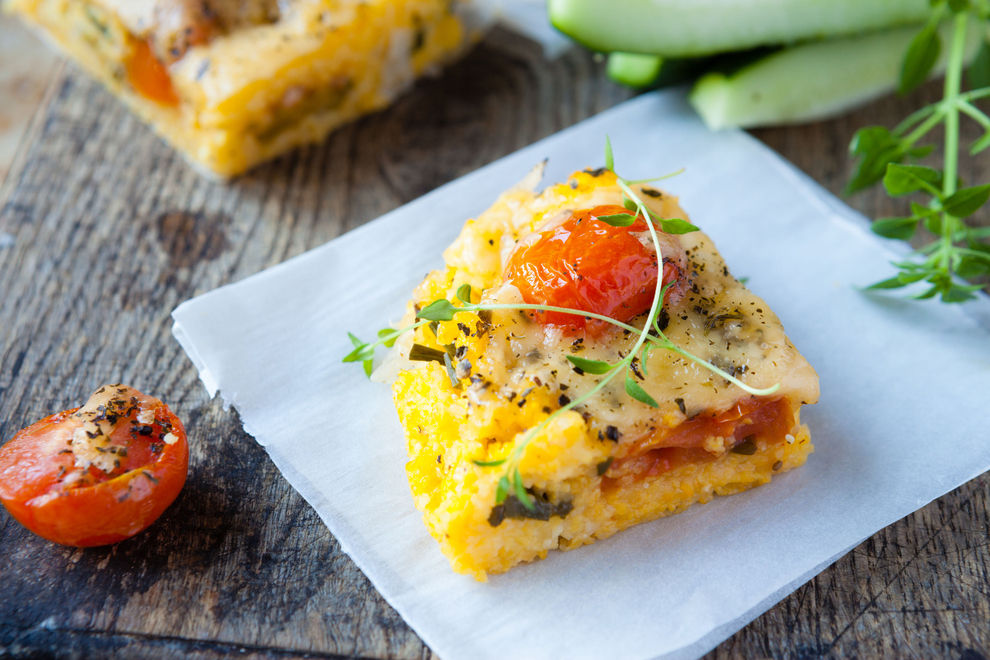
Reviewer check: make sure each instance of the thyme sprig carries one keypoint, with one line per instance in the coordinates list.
(960, 250)
(648, 338)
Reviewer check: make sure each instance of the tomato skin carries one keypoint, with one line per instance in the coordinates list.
(587, 264)
(97, 508)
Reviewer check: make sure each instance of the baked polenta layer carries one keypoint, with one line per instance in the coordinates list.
(611, 462)
(231, 83)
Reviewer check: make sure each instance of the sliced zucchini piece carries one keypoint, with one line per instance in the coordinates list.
(811, 81)
(634, 69)
(641, 71)
(692, 28)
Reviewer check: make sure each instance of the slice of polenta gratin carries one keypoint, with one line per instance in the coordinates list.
(231, 83)
(532, 428)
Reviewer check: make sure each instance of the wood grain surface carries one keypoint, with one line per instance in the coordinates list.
(112, 231)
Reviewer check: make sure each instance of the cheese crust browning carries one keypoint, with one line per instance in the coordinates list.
(612, 462)
(231, 83)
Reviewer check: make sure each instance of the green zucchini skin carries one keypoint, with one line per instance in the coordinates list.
(634, 69)
(811, 81)
(694, 28)
(648, 71)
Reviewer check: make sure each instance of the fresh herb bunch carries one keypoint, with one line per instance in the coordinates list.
(649, 337)
(961, 250)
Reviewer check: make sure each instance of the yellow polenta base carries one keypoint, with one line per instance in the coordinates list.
(457, 496)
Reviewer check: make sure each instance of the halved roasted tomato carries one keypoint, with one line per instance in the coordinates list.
(97, 474)
(587, 264)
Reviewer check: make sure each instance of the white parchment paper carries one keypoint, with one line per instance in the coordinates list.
(905, 390)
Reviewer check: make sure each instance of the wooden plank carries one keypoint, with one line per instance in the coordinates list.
(112, 231)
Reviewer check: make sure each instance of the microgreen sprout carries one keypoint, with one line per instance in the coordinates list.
(364, 352)
(960, 250)
(633, 366)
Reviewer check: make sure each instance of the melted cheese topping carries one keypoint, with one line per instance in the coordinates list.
(91, 442)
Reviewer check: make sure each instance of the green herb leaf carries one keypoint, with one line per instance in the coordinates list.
(644, 358)
(385, 332)
(630, 204)
(421, 353)
(502, 490)
(959, 293)
(973, 265)
(889, 283)
(609, 158)
(870, 139)
(361, 352)
(489, 463)
(451, 373)
(634, 390)
(933, 223)
(920, 59)
(618, 219)
(958, 6)
(967, 201)
(590, 366)
(978, 74)
(980, 144)
(902, 228)
(876, 147)
(920, 152)
(905, 179)
(676, 226)
(464, 293)
(921, 211)
(438, 310)
(520, 491)
(912, 276)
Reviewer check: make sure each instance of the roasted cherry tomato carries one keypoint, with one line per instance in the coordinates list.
(97, 474)
(587, 264)
(149, 76)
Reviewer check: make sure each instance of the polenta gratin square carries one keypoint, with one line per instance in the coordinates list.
(231, 83)
(483, 382)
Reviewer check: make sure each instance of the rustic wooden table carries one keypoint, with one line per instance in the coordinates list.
(111, 231)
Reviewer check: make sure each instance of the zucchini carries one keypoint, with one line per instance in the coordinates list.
(634, 69)
(692, 28)
(811, 81)
(640, 71)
